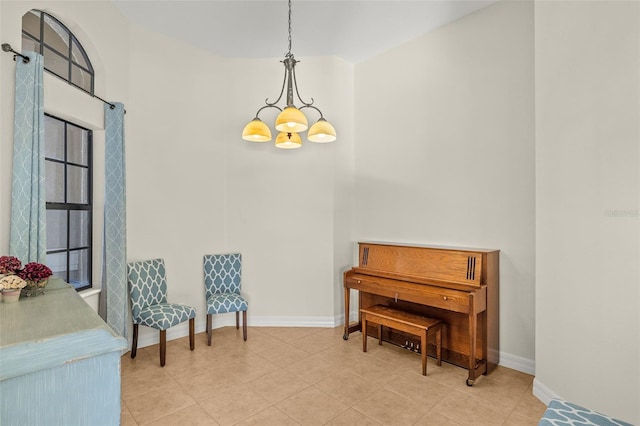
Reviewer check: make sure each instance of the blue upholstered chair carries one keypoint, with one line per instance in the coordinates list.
(148, 292)
(222, 282)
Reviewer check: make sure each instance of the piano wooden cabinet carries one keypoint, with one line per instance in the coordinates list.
(457, 285)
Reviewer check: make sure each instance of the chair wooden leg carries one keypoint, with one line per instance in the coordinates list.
(209, 331)
(192, 333)
(134, 345)
(244, 325)
(163, 346)
(237, 320)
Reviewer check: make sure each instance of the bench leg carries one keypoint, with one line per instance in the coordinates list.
(379, 334)
(423, 344)
(439, 345)
(364, 333)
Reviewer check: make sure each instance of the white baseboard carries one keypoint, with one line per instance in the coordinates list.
(147, 338)
(518, 363)
(543, 393)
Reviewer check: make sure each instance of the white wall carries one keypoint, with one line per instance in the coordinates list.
(445, 152)
(282, 205)
(587, 189)
(195, 187)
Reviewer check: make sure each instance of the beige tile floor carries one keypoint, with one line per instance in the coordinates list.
(311, 376)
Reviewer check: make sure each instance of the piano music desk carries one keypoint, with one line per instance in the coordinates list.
(403, 321)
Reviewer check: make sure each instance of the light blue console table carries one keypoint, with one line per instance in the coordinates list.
(59, 362)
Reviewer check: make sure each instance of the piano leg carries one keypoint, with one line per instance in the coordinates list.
(423, 345)
(473, 330)
(364, 333)
(347, 296)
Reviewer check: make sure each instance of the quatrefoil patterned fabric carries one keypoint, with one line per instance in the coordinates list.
(561, 413)
(222, 280)
(148, 291)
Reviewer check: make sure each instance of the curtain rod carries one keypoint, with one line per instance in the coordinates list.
(7, 48)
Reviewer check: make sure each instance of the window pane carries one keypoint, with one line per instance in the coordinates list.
(29, 44)
(55, 35)
(77, 145)
(78, 228)
(81, 78)
(79, 268)
(63, 53)
(56, 230)
(31, 24)
(53, 138)
(77, 185)
(77, 56)
(55, 63)
(58, 264)
(54, 179)
(68, 176)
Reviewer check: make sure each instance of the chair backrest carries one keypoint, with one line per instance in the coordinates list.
(222, 273)
(147, 284)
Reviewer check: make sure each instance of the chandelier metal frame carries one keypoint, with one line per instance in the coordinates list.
(291, 120)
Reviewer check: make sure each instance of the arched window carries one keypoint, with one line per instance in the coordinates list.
(63, 53)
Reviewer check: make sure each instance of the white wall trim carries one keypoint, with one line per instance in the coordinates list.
(543, 393)
(518, 363)
(182, 330)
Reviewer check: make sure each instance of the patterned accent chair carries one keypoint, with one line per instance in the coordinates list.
(222, 282)
(149, 306)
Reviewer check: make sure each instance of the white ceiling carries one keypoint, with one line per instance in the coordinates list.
(354, 30)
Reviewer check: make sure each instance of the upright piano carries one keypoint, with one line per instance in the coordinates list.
(457, 285)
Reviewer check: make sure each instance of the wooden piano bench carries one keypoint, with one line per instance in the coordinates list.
(403, 321)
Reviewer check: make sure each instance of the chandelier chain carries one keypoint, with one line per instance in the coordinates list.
(289, 53)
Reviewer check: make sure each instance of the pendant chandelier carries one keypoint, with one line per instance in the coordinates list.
(291, 120)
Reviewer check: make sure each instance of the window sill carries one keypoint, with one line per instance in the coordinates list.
(92, 297)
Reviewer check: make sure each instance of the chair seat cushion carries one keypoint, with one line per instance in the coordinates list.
(165, 315)
(225, 302)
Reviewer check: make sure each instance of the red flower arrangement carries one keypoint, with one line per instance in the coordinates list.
(9, 265)
(31, 279)
(35, 272)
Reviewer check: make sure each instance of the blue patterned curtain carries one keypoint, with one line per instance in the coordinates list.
(114, 307)
(28, 239)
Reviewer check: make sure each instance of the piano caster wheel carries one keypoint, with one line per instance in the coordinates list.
(345, 337)
(470, 382)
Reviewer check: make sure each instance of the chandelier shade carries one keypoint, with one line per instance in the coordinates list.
(321, 132)
(256, 131)
(291, 120)
(288, 140)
